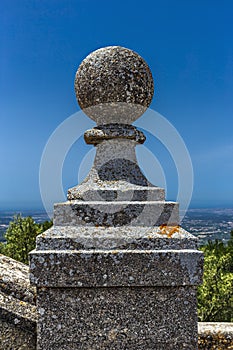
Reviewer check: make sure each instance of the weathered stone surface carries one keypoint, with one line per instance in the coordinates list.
(14, 337)
(17, 312)
(121, 190)
(116, 176)
(111, 214)
(17, 306)
(118, 318)
(101, 268)
(114, 85)
(113, 131)
(14, 280)
(215, 336)
(123, 238)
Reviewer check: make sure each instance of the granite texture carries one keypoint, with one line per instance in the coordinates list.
(116, 193)
(108, 268)
(112, 214)
(14, 281)
(113, 131)
(114, 85)
(116, 176)
(118, 318)
(17, 306)
(121, 190)
(13, 337)
(215, 336)
(123, 238)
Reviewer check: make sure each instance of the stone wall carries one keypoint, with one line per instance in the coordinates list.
(17, 307)
(215, 336)
(18, 314)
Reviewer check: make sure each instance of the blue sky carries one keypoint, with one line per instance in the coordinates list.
(188, 46)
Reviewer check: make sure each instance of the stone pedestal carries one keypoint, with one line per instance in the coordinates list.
(116, 271)
(138, 292)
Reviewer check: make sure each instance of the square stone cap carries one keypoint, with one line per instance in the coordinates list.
(126, 237)
(116, 213)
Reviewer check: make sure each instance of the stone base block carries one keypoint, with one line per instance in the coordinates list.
(137, 297)
(135, 318)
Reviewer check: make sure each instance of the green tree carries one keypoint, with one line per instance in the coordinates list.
(21, 237)
(215, 296)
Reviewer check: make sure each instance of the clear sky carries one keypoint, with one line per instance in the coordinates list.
(188, 45)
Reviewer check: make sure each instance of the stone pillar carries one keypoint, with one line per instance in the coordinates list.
(116, 271)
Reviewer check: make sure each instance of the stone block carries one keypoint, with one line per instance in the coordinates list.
(108, 268)
(142, 318)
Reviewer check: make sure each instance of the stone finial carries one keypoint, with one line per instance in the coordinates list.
(114, 85)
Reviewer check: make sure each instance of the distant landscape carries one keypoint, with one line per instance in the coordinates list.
(209, 224)
(206, 224)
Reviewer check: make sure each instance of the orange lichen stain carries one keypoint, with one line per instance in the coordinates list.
(168, 230)
(114, 252)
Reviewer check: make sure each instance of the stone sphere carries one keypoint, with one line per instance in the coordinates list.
(114, 85)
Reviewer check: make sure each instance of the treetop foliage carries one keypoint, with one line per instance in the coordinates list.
(215, 295)
(21, 237)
